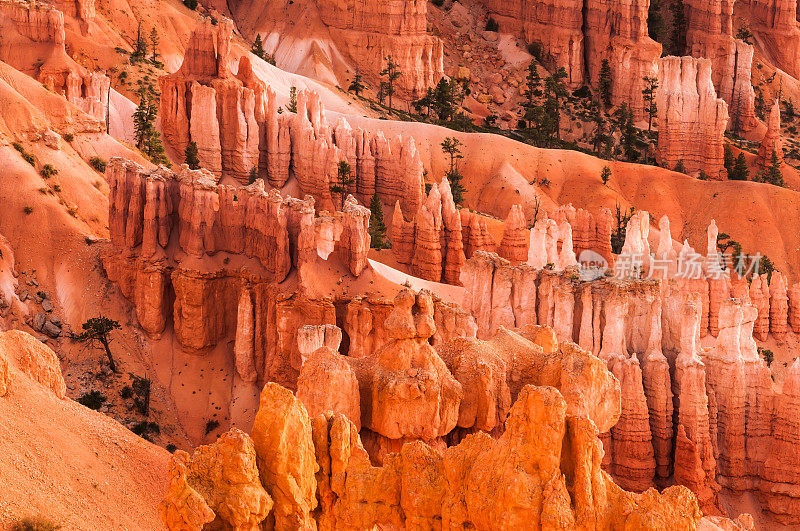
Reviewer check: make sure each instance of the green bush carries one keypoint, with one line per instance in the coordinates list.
(492, 25)
(68, 137)
(98, 164)
(92, 400)
(35, 523)
(211, 425)
(48, 171)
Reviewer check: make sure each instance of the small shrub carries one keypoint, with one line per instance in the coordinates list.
(98, 164)
(141, 386)
(767, 354)
(171, 448)
(48, 171)
(437, 3)
(535, 49)
(605, 175)
(126, 392)
(92, 400)
(492, 25)
(191, 4)
(56, 187)
(211, 425)
(68, 137)
(28, 210)
(35, 523)
(73, 211)
(144, 429)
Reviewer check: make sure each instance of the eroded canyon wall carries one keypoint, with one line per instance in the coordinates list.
(705, 417)
(691, 118)
(33, 40)
(242, 133)
(579, 35)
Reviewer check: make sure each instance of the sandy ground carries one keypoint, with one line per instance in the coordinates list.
(73, 466)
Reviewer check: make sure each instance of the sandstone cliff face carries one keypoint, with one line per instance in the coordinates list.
(33, 41)
(205, 103)
(691, 119)
(319, 464)
(772, 142)
(431, 243)
(709, 34)
(776, 23)
(155, 216)
(218, 484)
(698, 415)
(371, 31)
(578, 36)
(235, 121)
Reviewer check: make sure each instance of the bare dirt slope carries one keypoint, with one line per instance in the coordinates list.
(63, 462)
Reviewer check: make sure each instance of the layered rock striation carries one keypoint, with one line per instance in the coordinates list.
(691, 118)
(369, 32)
(242, 133)
(33, 40)
(775, 24)
(698, 416)
(709, 34)
(579, 35)
(319, 475)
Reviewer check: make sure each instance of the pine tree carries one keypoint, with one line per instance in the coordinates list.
(773, 173)
(555, 91)
(533, 91)
(450, 145)
(680, 167)
(377, 227)
(356, 87)
(443, 103)
(154, 46)
(729, 159)
(628, 137)
(292, 106)
(605, 175)
(678, 27)
(140, 47)
(258, 47)
(252, 177)
(740, 170)
(191, 156)
(655, 21)
(147, 138)
(392, 72)
(649, 97)
(344, 179)
(605, 82)
(425, 102)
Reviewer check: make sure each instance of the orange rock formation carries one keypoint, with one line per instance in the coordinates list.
(319, 474)
(578, 36)
(709, 34)
(33, 41)
(691, 119)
